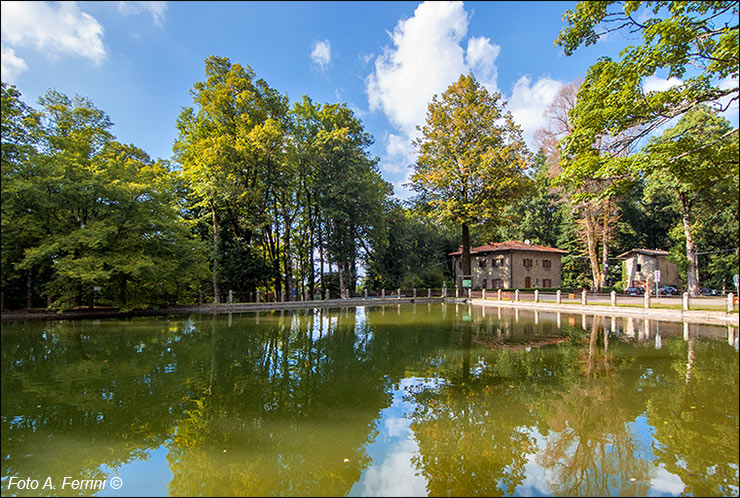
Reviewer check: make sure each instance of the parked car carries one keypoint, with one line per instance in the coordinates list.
(708, 292)
(668, 290)
(634, 291)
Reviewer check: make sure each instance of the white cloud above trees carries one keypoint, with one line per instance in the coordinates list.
(428, 52)
(53, 29)
(321, 54)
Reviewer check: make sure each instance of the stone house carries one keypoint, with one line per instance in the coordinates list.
(640, 265)
(511, 265)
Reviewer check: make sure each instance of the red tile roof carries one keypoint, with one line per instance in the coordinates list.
(649, 252)
(509, 245)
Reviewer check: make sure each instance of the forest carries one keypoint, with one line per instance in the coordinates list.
(285, 198)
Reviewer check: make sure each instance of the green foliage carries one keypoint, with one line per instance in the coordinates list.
(90, 212)
(472, 157)
(414, 253)
(695, 41)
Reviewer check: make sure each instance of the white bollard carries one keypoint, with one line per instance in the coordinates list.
(516, 296)
(614, 298)
(646, 303)
(685, 301)
(584, 298)
(499, 294)
(730, 302)
(558, 297)
(536, 296)
(483, 294)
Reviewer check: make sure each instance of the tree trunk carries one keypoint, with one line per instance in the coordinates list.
(321, 264)
(466, 250)
(311, 269)
(605, 244)
(592, 254)
(287, 262)
(692, 274)
(216, 255)
(29, 290)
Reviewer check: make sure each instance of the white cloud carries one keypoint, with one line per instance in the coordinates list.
(395, 475)
(425, 59)
(54, 29)
(400, 147)
(321, 54)
(528, 104)
(665, 482)
(426, 55)
(481, 57)
(156, 9)
(656, 84)
(12, 65)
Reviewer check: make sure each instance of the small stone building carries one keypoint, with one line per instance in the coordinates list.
(640, 266)
(511, 265)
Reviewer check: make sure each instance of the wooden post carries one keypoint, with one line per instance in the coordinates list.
(686, 301)
(584, 299)
(536, 296)
(558, 298)
(614, 298)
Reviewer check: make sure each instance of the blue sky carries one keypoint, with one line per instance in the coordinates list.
(138, 60)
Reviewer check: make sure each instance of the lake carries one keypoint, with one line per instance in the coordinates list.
(420, 399)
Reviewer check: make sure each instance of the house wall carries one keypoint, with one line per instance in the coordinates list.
(648, 264)
(513, 273)
(536, 272)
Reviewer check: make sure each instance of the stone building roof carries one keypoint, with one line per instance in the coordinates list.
(648, 252)
(509, 245)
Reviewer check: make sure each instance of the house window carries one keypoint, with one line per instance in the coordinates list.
(639, 267)
(496, 283)
(482, 263)
(484, 283)
(498, 263)
(546, 263)
(547, 282)
(527, 262)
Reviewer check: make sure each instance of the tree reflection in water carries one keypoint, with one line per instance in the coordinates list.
(287, 404)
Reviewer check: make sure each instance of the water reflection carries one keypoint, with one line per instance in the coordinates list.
(434, 400)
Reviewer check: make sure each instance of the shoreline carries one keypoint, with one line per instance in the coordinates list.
(693, 316)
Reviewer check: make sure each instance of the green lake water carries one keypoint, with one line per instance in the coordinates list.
(425, 399)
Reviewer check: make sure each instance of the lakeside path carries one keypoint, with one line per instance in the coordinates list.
(673, 315)
(693, 316)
